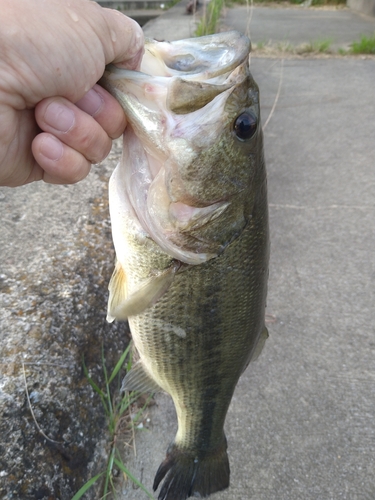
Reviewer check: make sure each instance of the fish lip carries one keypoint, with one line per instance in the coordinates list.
(201, 58)
(232, 47)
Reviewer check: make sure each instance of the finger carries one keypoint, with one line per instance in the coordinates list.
(73, 127)
(99, 104)
(60, 163)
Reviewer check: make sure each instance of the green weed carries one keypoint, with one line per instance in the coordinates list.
(117, 410)
(365, 46)
(322, 45)
(318, 3)
(285, 47)
(210, 18)
(260, 45)
(318, 46)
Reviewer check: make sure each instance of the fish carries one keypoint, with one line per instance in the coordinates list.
(189, 215)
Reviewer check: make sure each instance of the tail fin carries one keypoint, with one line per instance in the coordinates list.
(186, 475)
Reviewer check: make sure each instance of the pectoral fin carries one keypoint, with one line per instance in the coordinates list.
(117, 291)
(138, 380)
(120, 306)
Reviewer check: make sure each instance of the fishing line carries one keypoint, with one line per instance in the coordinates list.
(32, 411)
(249, 17)
(277, 94)
(250, 9)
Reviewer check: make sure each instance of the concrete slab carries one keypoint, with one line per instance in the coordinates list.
(143, 16)
(298, 24)
(174, 24)
(293, 24)
(301, 421)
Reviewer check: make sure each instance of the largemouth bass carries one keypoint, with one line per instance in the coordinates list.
(188, 206)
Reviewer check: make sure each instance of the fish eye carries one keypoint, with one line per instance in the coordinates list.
(245, 125)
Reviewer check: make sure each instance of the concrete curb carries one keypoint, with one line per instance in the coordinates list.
(174, 24)
(366, 7)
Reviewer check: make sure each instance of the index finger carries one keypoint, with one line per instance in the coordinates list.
(127, 39)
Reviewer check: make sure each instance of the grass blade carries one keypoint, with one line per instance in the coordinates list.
(122, 467)
(127, 400)
(104, 367)
(108, 474)
(119, 364)
(107, 395)
(141, 410)
(91, 382)
(86, 486)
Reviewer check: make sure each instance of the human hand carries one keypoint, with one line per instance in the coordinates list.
(54, 120)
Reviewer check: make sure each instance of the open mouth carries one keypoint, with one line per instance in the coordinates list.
(173, 105)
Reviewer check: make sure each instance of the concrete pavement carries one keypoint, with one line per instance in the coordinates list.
(293, 24)
(301, 423)
(296, 25)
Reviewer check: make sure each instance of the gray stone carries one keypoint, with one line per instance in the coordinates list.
(56, 260)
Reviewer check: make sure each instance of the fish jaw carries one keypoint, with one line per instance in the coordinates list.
(201, 58)
(176, 118)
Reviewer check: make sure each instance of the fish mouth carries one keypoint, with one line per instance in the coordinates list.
(173, 105)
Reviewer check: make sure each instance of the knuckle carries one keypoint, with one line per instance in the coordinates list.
(78, 171)
(101, 151)
(94, 144)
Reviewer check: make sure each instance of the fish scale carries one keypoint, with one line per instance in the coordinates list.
(198, 371)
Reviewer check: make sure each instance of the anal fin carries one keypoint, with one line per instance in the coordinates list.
(259, 347)
(138, 380)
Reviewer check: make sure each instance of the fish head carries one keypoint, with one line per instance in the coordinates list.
(193, 142)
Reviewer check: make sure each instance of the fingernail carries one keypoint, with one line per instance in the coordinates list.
(90, 102)
(51, 148)
(59, 117)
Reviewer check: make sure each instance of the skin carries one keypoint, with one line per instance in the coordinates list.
(55, 121)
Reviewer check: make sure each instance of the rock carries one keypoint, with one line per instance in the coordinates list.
(56, 260)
